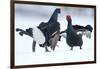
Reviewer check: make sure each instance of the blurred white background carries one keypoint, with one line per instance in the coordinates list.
(5, 33)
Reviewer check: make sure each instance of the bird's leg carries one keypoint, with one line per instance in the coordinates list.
(46, 49)
(80, 47)
(57, 45)
(33, 45)
(72, 48)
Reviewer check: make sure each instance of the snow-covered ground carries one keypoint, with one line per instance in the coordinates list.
(31, 15)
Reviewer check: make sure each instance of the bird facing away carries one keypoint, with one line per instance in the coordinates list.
(50, 27)
(43, 33)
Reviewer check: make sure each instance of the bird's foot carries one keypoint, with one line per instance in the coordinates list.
(71, 48)
(33, 50)
(80, 48)
(47, 51)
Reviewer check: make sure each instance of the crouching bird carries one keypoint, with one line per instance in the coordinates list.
(74, 33)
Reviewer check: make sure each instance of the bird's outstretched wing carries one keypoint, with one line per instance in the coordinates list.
(63, 33)
(26, 32)
(80, 30)
(85, 32)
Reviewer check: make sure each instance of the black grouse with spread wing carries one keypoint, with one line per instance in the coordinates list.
(73, 38)
(50, 31)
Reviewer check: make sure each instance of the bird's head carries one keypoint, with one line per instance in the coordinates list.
(68, 17)
(58, 10)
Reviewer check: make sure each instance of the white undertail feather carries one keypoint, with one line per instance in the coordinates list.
(38, 35)
(86, 33)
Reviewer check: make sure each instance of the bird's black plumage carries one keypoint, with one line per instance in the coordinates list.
(50, 29)
(51, 26)
(26, 32)
(72, 38)
(71, 33)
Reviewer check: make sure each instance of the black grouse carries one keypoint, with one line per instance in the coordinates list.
(73, 38)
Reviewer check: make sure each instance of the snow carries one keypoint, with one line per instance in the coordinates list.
(31, 16)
